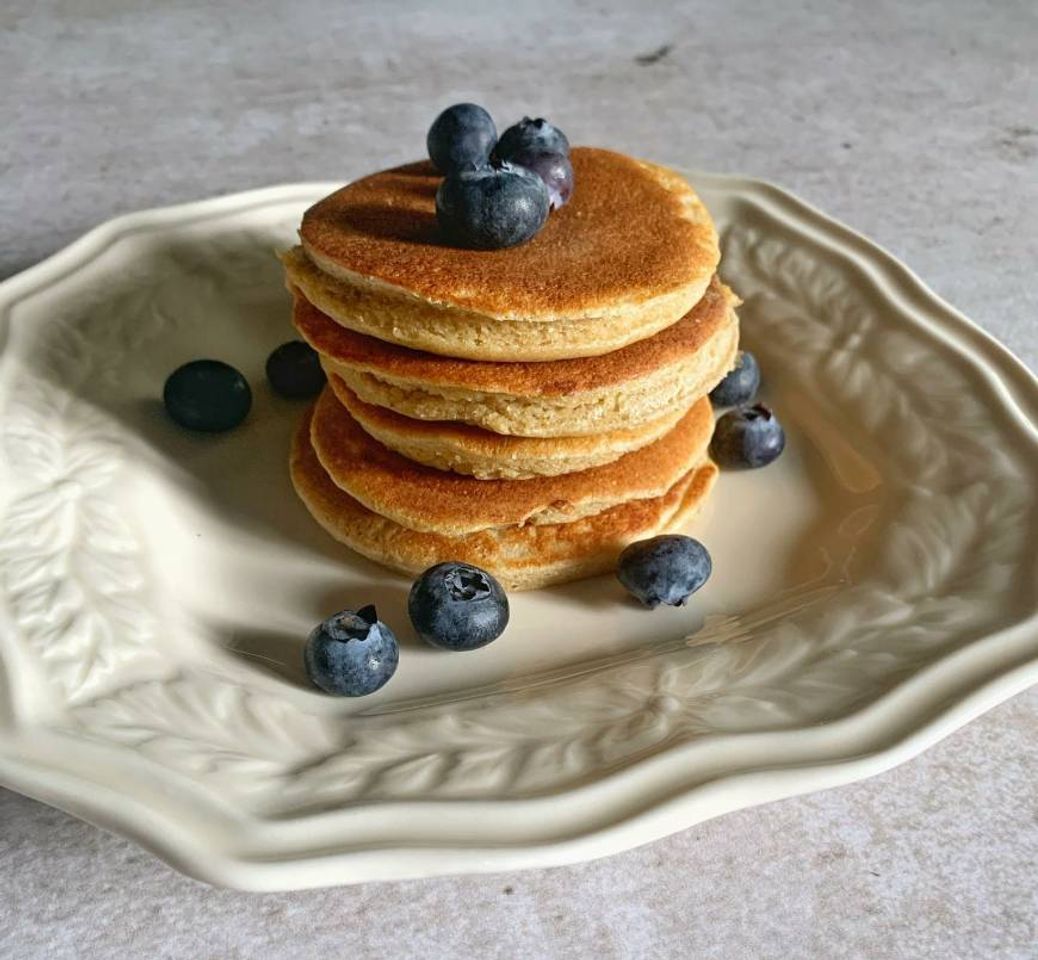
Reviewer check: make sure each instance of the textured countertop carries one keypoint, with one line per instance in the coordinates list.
(914, 124)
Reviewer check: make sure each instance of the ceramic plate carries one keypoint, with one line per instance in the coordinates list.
(873, 589)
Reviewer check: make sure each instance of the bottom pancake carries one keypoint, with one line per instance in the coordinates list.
(523, 558)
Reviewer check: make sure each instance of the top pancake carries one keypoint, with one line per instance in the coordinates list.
(631, 253)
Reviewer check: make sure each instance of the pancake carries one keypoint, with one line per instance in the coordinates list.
(423, 498)
(523, 558)
(629, 255)
(462, 448)
(593, 395)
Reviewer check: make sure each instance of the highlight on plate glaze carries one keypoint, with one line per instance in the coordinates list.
(931, 549)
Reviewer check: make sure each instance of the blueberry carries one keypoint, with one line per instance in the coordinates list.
(461, 138)
(747, 437)
(740, 386)
(528, 138)
(542, 149)
(457, 607)
(352, 653)
(492, 207)
(666, 569)
(207, 395)
(294, 370)
(557, 173)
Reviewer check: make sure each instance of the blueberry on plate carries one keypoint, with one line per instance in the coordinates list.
(666, 569)
(207, 395)
(294, 370)
(456, 606)
(542, 149)
(747, 437)
(492, 207)
(527, 138)
(740, 386)
(461, 138)
(352, 653)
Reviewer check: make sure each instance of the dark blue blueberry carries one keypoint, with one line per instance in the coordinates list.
(461, 138)
(457, 607)
(666, 569)
(294, 370)
(492, 207)
(207, 395)
(747, 437)
(542, 149)
(740, 386)
(528, 138)
(352, 653)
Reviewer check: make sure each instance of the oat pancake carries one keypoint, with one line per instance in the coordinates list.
(629, 255)
(523, 558)
(591, 395)
(424, 498)
(462, 448)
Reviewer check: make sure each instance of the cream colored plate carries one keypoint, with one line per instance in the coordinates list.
(873, 590)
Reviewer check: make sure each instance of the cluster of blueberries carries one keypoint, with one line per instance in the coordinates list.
(212, 396)
(454, 606)
(496, 192)
(749, 435)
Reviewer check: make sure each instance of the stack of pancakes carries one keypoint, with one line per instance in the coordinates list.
(530, 410)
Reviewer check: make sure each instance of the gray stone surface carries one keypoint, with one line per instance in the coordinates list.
(916, 124)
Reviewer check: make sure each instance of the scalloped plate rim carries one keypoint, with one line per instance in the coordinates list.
(657, 816)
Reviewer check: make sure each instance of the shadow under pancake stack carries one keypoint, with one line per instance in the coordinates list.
(530, 410)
